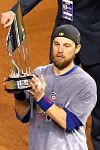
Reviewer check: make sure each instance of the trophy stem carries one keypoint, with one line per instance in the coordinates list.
(20, 58)
(27, 63)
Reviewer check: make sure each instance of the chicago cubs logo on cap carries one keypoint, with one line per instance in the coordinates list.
(61, 34)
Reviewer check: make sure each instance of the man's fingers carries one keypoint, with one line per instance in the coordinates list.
(4, 84)
(35, 78)
(4, 79)
(37, 83)
(31, 83)
(34, 84)
(8, 24)
(2, 18)
(7, 18)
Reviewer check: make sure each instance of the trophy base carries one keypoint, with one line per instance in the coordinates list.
(17, 84)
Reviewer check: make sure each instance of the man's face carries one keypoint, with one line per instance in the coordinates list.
(63, 52)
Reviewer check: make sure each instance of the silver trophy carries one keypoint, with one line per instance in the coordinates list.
(18, 54)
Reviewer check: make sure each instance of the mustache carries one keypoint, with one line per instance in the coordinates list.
(60, 55)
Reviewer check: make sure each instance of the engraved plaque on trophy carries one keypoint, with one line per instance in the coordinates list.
(18, 54)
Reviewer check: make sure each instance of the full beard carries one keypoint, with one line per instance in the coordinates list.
(62, 65)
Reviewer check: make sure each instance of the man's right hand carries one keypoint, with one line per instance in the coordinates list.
(7, 18)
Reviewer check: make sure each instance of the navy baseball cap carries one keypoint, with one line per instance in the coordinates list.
(67, 31)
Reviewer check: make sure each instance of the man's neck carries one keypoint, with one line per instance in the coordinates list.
(58, 72)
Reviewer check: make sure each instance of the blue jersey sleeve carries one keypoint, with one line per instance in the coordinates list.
(25, 119)
(72, 122)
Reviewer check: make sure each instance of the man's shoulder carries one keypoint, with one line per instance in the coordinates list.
(84, 77)
(42, 69)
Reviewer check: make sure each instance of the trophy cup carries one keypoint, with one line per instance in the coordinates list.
(18, 54)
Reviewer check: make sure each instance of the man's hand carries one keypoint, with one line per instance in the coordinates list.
(38, 87)
(7, 18)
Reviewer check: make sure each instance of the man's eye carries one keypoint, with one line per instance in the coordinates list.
(56, 44)
(66, 45)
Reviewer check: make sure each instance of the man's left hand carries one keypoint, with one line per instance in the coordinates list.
(38, 87)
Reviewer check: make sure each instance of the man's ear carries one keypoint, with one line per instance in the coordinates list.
(78, 47)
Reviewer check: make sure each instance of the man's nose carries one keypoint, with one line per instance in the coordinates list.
(60, 48)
